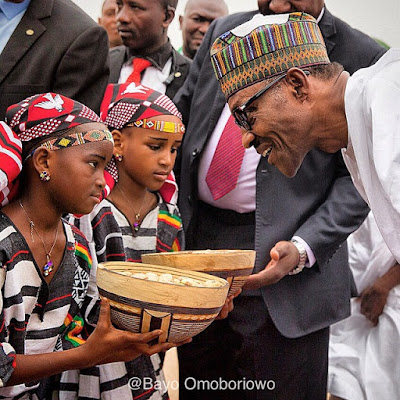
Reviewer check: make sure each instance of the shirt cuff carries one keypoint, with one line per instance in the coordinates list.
(310, 255)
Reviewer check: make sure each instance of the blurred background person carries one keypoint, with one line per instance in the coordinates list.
(196, 20)
(108, 21)
(51, 46)
(147, 56)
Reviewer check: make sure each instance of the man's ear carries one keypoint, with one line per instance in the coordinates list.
(41, 159)
(169, 16)
(118, 142)
(298, 83)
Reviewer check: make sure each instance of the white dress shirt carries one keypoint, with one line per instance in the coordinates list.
(152, 76)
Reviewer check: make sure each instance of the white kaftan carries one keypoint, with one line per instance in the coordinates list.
(372, 105)
(364, 362)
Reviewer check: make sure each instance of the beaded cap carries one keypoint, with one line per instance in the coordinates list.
(129, 103)
(264, 47)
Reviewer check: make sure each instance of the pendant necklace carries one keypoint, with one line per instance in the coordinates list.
(136, 224)
(48, 267)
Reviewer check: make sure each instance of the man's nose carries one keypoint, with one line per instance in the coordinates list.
(122, 15)
(247, 138)
(203, 27)
(280, 6)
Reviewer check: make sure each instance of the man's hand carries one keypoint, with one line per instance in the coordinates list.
(228, 306)
(284, 257)
(373, 298)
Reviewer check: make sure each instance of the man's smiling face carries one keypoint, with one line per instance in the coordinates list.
(280, 126)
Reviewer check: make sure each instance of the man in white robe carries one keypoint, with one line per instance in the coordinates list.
(284, 113)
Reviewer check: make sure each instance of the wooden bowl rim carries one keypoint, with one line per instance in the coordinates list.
(222, 260)
(202, 252)
(204, 276)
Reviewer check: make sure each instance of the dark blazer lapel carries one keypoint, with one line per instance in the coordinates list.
(25, 35)
(328, 29)
(179, 72)
(218, 106)
(118, 55)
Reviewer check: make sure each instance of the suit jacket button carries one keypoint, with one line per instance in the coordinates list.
(195, 152)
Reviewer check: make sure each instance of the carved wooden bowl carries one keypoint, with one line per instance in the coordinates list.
(139, 305)
(233, 265)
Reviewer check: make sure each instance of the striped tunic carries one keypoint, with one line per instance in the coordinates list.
(111, 238)
(37, 317)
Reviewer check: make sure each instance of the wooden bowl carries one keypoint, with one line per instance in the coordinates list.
(139, 305)
(233, 265)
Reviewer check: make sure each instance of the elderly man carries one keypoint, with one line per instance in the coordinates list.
(280, 330)
(321, 106)
(196, 20)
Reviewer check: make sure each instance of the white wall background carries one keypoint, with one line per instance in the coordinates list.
(379, 19)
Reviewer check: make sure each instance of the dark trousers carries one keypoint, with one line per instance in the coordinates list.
(245, 350)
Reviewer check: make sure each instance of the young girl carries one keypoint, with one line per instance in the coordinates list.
(138, 216)
(45, 264)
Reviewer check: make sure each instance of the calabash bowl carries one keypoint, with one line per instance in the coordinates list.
(233, 265)
(140, 305)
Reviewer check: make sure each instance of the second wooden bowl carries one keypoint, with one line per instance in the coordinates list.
(233, 265)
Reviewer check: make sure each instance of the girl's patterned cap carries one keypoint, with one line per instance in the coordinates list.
(54, 116)
(129, 103)
(47, 114)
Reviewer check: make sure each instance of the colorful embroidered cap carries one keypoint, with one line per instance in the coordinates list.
(35, 119)
(264, 47)
(129, 104)
(54, 115)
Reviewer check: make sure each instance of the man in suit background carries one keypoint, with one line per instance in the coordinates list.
(108, 21)
(50, 45)
(196, 20)
(279, 331)
(147, 56)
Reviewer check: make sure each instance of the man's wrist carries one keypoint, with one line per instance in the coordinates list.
(302, 257)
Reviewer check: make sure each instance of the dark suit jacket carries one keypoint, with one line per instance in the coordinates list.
(320, 204)
(66, 54)
(179, 68)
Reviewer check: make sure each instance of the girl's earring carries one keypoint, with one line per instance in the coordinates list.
(118, 157)
(44, 176)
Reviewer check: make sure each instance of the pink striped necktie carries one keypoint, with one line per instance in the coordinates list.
(223, 173)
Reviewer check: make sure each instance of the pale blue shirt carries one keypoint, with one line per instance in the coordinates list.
(10, 16)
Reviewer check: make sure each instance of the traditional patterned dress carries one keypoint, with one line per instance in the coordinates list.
(37, 317)
(111, 238)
